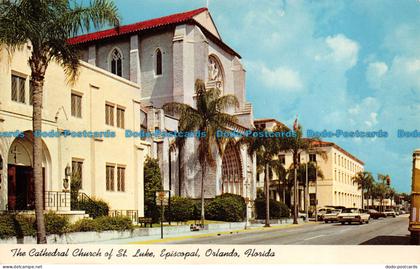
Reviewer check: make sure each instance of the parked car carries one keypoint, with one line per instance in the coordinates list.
(376, 214)
(349, 215)
(331, 215)
(390, 213)
(323, 211)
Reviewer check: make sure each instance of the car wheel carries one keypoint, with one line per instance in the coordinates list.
(393, 216)
(367, 221)
(342, 222)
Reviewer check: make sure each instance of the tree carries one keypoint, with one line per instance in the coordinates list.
(265, 149)
(47, 25)
(364, 181)
(152, 184)
(208, 117)
(297, 144)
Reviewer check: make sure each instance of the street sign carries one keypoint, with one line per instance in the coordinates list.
(162, 197)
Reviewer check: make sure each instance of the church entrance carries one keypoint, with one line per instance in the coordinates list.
(21, 184)
(232, 180)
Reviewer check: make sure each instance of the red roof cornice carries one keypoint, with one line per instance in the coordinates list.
(136, 27)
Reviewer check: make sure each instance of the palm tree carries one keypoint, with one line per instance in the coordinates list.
(297, 144)
(47, 24)
(265, 149)
(364, 181)
(207, 118)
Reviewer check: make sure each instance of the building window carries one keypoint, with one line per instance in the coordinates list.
(77, 170)
(120, 117)
(120, 179)
(312, 157)
(110, 178)
(31, 94)
(158, 62)
(282, 159)
(18, 89)
(116, 62)
(109, 114)
(76, 105)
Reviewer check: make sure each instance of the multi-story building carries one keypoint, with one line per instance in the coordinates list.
(84, 130)
(338, 167)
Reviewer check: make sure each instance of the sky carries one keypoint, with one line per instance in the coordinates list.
(350, 65)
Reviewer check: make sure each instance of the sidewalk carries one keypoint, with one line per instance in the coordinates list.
(155, 239)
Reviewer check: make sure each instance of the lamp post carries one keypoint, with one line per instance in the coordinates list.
(247, 202)
(316, 191)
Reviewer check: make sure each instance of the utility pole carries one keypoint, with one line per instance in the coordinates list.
(316, 191)
(306, 190)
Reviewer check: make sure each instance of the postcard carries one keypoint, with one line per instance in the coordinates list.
(206, 132)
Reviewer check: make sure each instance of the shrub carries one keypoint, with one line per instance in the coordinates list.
(226, 207)
(104, 223)
(182, 209)
(277, 209)
(16, 225)
(94, 207)
(84, 225)
(56, 224)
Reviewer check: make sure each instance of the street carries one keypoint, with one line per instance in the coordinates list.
(389, 231)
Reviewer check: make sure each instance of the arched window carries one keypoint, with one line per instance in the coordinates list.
(158, 63)
(116, 62)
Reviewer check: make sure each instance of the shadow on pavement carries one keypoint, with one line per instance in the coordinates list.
(388, 240)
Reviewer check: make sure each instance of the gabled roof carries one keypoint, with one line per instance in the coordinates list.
(174, 19)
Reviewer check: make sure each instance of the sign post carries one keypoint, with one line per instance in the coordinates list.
(162, 197)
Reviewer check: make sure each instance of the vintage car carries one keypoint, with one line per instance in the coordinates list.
(390, 213)
(332, 215)
(323, 211)
(349, 215)
(376, 214)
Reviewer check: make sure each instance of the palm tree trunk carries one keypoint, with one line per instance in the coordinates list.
(295, 198)
(267, 197)
(37, 84)
(203, 174)
(363, 198)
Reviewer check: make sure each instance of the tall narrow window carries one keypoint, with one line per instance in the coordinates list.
(77, 170)
(110, 178)
(282, 159)
(18, 89)
(116, 62)
(120, 117)
(120, 179)
(109, 114)
(158, 62)
(312, 157)
(31, 94)
(76, 105)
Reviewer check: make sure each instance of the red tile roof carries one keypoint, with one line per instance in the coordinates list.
(135, 27)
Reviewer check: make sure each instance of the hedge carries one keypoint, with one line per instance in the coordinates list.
(182, 209)
(226, 207)
(94, 207)
(277, 209)
(104, 223)
(24, 225)
(12, 225)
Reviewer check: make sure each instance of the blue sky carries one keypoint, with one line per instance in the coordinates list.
(351, 65)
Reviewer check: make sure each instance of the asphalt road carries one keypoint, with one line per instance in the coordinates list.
(389, 231)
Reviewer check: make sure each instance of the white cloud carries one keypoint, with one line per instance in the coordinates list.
(365, 113)
(343, 50)
(375, 73)
(281, 78)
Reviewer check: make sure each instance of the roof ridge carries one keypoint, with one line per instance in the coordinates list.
(137, 26)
